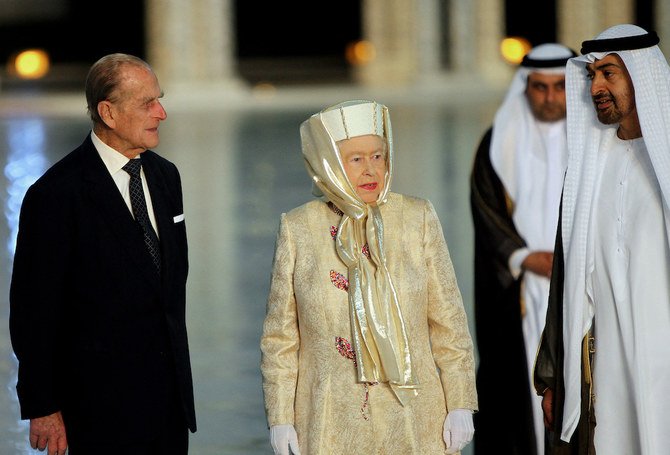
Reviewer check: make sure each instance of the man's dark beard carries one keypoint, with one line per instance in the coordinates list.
(551, 112)
(609, 116)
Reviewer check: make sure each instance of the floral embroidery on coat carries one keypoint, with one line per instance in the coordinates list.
(339, 280)
(344, 348)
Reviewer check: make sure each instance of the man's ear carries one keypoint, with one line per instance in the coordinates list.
(106, 113)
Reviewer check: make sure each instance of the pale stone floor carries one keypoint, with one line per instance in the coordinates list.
(241, 168)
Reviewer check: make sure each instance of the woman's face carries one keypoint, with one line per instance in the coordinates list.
(364, 160)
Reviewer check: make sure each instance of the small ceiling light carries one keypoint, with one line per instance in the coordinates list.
(360, 52)
(514, 48)
(31, 64)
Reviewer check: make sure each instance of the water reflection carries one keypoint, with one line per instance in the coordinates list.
(25, 163)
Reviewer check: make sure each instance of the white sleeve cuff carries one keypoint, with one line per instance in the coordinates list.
(515, 261)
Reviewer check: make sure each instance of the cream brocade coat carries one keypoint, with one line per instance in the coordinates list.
(308, 364)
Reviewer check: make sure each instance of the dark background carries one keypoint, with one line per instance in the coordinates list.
(274, 40)
(79, 31)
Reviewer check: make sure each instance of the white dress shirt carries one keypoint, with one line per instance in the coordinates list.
(114, 161)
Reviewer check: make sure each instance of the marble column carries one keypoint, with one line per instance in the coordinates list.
(662, 25)
(191, 44)
(580, 20)
(489, 23)
(410, 39)
(391, 27)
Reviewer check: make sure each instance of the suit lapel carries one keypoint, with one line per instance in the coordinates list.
(106, 198)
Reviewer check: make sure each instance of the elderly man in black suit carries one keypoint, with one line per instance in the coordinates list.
(97, 299)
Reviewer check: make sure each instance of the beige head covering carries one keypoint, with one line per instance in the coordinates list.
(378, 329)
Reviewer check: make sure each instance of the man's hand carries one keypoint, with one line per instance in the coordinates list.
(547, 408)
(539, 262)
(48, 433)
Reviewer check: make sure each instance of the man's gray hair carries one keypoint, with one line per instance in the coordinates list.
(104, 78)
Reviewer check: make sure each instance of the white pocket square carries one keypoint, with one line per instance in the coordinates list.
(178, 218)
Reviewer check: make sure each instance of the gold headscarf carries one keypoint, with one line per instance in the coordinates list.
(378, 329)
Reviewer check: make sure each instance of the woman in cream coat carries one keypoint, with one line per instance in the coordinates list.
(365, 345)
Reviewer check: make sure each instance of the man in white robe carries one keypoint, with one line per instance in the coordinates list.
(516, 183)
(612, 279)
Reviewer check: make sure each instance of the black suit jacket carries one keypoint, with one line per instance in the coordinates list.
(98, 334)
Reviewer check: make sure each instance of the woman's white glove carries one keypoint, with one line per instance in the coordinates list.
(458, 429)
(283, 437)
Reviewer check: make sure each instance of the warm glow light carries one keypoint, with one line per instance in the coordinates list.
(360, 52)
(513, 49)
(31, 64)
(264, 90)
